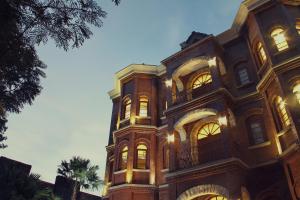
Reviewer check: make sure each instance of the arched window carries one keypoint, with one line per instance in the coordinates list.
(141, 156)
(211, 128)
(296, 91)
(256, 129)
(123, 158)
(201, 80)
(243, 76)
(126, 108)
(279, 39)
(261, 53)
(165, 157)
(280, 107)
(143, 106)
(218, 198)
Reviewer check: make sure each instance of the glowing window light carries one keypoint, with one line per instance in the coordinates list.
(168, 82)
(171, 138)
(279, 39)
(143, 106)
(211, 128)
(201, 80)
(296, 91)
(282, 113)
(261, 53)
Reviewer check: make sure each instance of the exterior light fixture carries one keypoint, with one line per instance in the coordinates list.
(223, 120)
(212, 62)
(168, 82)
(171, 138)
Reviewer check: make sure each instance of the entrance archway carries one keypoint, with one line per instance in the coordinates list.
(207, 191)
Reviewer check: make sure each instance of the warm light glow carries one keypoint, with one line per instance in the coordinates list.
(105, 188)
(171, 138)
(212, 62)
(143, 106)
(127, 108)
(124, 158)
(128, 176)
(152, 177)
(261, 53)
(298, 26)
(296, 91)
(168, 82)
(279, 39)
(132, 120)
(201, 80)
(282, 112)
(208, 129)
(142, 156)
(223, 120)
(218, 198)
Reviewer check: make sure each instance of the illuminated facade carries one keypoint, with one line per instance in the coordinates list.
(218, 120)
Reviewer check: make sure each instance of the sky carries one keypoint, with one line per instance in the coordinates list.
(72, 114)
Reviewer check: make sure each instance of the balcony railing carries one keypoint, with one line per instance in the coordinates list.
(205, 152)
(190, 94)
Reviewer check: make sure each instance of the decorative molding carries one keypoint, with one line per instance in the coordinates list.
(120, 171)
(134, 69)
(257, 146)
(127, 185)
(202, 190)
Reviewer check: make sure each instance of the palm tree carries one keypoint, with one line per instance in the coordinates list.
(82, 172)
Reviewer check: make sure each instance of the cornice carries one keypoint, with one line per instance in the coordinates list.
(276, 70)
(221, 164)
(132, 186)
(134, 69)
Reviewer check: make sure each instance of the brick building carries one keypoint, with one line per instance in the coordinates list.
(217, 120)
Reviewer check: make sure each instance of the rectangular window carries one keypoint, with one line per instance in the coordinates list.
(257, 133)
(243, 75)
(141, 159)
(143, 109)
(127, 111)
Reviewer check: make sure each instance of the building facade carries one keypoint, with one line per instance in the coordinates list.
(218, 120)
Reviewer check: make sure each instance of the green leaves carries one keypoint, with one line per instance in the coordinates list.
(80, 170)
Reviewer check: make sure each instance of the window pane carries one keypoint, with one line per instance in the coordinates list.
(243, 75)
(261, 53)
(143, 109)
(203, 79)
(282, 113)
(257, 133)
(124, 157)
(296, 91)
(279, 39)
(141, 156)
(127, 105)
(208, 129)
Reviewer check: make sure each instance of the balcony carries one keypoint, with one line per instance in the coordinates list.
(190, 94)
(205, 152)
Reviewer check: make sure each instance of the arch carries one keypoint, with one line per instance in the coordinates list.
(191, 117)
(202, 190)
(189, 66)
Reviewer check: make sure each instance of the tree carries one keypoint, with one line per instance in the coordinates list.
(82, 172)
(15, 184)
(27, 23)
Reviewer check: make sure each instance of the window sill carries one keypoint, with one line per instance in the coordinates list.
(244, 85)
(284, 131)
(264, 144)
(120, 171)
(124, 120)
(141, 170)
(139, 117)
(164, 170)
